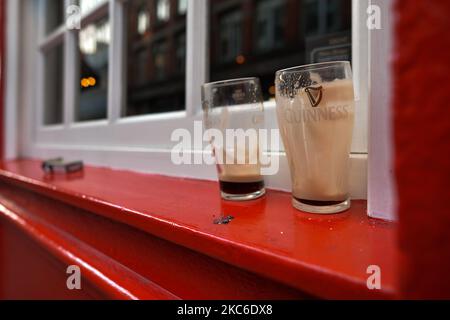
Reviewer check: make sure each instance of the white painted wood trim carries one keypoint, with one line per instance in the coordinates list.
(360, 66)
(12, 65)
(158, 161)
(196, 54)
(71, 76)
(381, 189)
(116, 90)
(27, 80)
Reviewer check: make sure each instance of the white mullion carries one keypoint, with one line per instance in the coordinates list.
(39, 116)
(116, 77)
(322, 16)
(16, 91)
(360, 65)
(95, 13)
(197, 54)
(70, 74)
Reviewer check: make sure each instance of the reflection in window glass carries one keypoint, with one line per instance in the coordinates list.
(163, 10)
(311, 14)
(55, 12)
(180, 52)
(87, 5)
(94, 41)
(230, 25)
(259, 37)
(156, 60)
(143, 23)
(324, 16)
(182, 6)
(160, 59)
(269, 24)
(333, 15)
(53, 85)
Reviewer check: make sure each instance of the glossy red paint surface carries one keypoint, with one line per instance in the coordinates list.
(102, 272)
(136, 254)
(28, 271)
(422, 142)
(325, 256)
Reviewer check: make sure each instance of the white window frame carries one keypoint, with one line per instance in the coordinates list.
(382, 195)
(142, 143)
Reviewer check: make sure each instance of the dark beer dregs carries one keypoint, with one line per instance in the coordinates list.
(241, 188)
(319, 203)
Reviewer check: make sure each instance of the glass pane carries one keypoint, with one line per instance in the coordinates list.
(259, 37)
(182, 6)
(55, 12)
(53, 85)
(163, 10)
(94, 42)
(156, 45)
(87, 5)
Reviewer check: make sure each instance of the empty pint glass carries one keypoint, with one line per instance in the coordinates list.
(233, 115)
(315, 111)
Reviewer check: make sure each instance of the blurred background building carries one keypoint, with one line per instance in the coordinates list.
(247, 38)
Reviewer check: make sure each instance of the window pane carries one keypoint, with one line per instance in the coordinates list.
(162, 10)
(94, 42)
(182, 6)
(55, 12)
(87, 5)
(53, 85)
(259, 37)
(156, 45)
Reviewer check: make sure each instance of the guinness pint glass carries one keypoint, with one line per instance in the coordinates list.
(233, 115)
(315, 111)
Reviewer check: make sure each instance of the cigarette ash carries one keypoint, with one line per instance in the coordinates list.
(223, 220)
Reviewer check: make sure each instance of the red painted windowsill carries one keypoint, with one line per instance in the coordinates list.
(325, 256)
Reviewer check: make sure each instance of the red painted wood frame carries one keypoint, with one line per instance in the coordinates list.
(422, 142)
(161, 229)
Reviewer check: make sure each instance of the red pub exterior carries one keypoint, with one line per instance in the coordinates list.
(133, 239)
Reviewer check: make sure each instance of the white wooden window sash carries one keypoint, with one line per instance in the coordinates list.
(142, 143)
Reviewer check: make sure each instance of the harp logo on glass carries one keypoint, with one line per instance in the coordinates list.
(250, 148)
(314, 95)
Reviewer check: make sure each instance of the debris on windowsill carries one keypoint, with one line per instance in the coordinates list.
(223, 220)
(58, 165)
